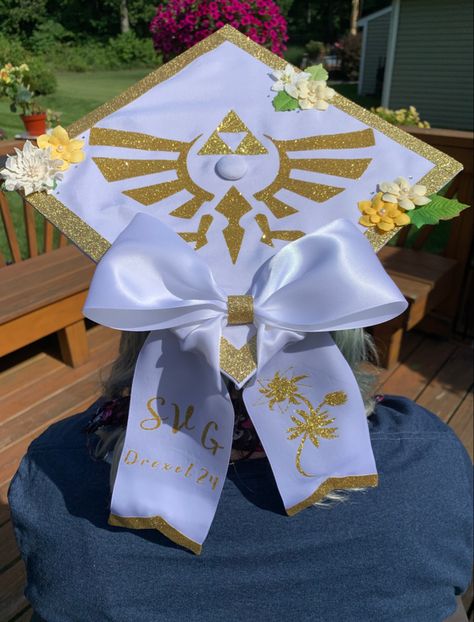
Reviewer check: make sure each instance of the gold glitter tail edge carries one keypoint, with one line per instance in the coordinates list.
(158, 523)
(334, 483)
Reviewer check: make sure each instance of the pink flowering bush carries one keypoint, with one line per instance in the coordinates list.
(179, 24)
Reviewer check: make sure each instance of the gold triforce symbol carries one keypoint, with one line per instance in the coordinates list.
(233, 126)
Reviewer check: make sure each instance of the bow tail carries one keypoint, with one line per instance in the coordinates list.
(307, 409)
(177, 445)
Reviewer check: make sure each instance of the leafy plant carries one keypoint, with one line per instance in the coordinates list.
(14, 84)
(315, 49)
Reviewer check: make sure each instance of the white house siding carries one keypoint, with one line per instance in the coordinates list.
(433, 61)
(375, 42)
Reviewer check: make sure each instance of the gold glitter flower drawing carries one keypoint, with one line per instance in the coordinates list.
(233, 205)
(311, 423)
(282, 389)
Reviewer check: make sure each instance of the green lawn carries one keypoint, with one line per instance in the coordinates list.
(76, 95)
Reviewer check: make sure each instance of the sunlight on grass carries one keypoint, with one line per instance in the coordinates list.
(76, 95)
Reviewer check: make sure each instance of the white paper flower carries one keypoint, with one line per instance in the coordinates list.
(399, 191)
(31, 170)
(314, 94)
(288, 79)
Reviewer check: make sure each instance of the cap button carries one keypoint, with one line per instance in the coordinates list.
(231, 167)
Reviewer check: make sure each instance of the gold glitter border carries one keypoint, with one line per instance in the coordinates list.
(158, 523)
(334, 483)
(76, 229)
(94, 245)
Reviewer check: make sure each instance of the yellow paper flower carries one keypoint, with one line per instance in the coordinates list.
(381, 214)
(69, 150)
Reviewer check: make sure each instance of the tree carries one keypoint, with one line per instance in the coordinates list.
(354, 16)
(124, 21)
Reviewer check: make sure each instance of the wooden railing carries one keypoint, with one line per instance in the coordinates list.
(457, 310)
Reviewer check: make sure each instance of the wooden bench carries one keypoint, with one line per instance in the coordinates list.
(44, 293)
(432, 283)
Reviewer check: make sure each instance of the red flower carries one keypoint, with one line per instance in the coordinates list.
(179, 24)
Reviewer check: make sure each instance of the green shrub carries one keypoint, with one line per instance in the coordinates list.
(125, 50)
(128, 50)
(41, 77)
(52, 46)
(11, 51)
(294, 54)
(315, 49)
(47, 35)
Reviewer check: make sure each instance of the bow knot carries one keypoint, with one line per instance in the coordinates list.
(240, 309)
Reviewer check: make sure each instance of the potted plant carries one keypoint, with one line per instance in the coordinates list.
(14, 85)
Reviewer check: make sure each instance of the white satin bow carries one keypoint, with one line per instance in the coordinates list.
(151, 280)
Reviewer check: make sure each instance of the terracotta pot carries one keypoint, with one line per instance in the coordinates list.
(35, 124)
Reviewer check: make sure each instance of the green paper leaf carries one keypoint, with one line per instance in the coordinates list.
(283, 102)
(317, 72)
(438, 209)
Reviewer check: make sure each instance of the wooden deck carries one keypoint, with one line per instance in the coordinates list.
(435, 373)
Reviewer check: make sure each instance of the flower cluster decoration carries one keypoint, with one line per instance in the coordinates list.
(179, 24)
(68, 150)
(398, 204)
(382, 215)
(305, 90)
(406, 196)
(31, 170)
(39, 169)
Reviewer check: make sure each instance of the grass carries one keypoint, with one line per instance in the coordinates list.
(79, 93)
(76, 95)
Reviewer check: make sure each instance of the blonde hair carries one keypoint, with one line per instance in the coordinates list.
(356, 346)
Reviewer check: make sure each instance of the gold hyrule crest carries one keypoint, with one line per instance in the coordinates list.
(233, 204)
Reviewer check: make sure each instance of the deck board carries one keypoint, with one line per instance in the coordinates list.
(435, 373)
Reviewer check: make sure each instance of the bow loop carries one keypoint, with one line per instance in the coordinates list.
(328, 280)
(149, 279)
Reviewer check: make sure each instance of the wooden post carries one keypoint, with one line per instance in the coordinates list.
(73, 344)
